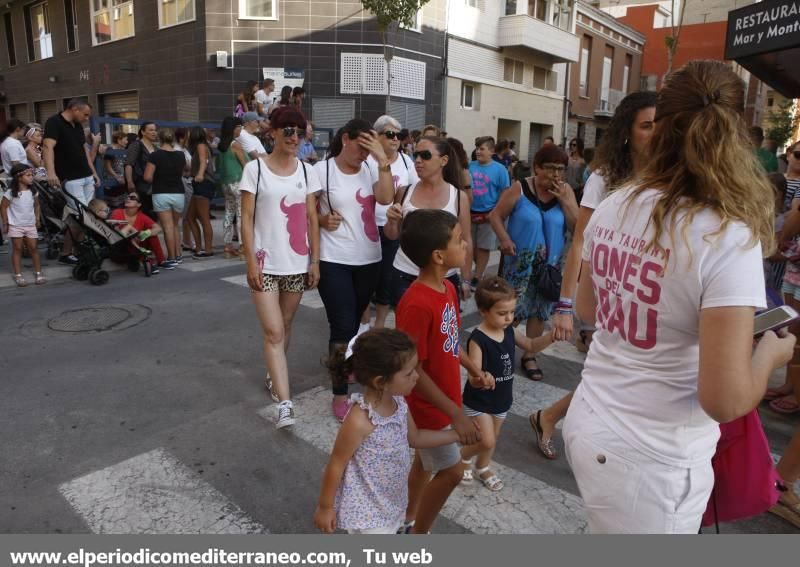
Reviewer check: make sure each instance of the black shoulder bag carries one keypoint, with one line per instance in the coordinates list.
(547, 278)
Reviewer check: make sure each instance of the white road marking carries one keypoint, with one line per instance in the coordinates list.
(525, 505)
(310, 298)
(154, 493)
(191, 265)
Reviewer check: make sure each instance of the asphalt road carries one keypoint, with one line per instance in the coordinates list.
(162, 425)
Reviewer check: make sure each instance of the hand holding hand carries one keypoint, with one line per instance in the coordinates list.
(468, 431)
(562, 326)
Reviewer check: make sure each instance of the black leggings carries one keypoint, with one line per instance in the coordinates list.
(345, 291)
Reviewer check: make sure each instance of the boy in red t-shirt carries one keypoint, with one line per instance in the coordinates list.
(428, 313)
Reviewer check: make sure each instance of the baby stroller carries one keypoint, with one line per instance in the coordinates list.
(101, 239)
(52, 205)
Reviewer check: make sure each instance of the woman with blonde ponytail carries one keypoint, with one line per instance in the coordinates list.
(675, 278)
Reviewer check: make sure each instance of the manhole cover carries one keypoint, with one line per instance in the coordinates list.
(92, 319)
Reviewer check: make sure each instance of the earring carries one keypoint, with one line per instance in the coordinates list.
(626, 142)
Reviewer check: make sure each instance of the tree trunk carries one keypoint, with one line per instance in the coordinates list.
(387, 55)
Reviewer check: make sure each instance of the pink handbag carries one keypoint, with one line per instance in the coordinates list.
(745, 479)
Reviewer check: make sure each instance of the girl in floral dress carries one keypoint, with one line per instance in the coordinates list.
(365, 485)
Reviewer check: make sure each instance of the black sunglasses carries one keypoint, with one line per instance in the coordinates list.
(391, 134)
(573, 144)
(132, 198)
(290, 131)
(424, 154)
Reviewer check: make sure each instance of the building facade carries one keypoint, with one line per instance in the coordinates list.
(187, 60)
(608, 69)
(506, 64)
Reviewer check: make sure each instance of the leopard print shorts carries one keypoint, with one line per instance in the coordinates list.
(293, 283)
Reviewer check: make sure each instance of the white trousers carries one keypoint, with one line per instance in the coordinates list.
(625, 491)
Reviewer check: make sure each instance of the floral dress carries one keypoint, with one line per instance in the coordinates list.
(531, 238)
(374, 490)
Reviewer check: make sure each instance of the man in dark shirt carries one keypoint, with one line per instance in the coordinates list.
(66, 158)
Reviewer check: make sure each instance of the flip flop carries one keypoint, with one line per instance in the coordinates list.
(775, 393)
(534, 374)
(544, 445)
(786, 405)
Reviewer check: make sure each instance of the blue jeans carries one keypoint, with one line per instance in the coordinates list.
(345, 291)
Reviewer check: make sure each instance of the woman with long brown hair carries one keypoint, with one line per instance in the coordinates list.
(673, 266)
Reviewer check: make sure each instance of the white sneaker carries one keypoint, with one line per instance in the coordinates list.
(285, 414)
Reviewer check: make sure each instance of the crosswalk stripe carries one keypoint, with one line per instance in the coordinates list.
(191, 265)
(153, 493)
(525, 505)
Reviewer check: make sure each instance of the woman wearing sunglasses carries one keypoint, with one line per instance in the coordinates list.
(539, 209)
(350, 248)
(403, 175)
(280, 241)
(440, 173)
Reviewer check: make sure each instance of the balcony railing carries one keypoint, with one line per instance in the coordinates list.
(525, 31)
(607, 101)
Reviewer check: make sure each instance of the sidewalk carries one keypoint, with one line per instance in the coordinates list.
(54, 271)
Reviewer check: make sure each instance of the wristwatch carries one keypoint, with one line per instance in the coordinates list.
(386, 168)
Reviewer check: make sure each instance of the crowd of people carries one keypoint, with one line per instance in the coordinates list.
(649, 252)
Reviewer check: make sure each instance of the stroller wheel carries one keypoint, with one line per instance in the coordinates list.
(52, 252)
(148, 269)
(80, 273)
(98, 277)
(133, 265)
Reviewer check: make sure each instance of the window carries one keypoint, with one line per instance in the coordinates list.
(37, 26)
(112, 20)
(586, 55)
(538, 9)
(544, 79)
(581, 130)
(770, 101)
(174, 12)
(511, 7)
(468, 98)
(417, 25)
(12, 53)
(72, 25)
(626, 73)
(513, 70)
(258, 9)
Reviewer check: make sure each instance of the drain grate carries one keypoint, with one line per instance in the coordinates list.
(90, 319)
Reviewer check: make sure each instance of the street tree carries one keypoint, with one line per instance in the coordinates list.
(671, 41)
(782, 122)
(389, 15)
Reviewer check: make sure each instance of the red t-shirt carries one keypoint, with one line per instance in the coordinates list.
(432, 321)
(140, 223)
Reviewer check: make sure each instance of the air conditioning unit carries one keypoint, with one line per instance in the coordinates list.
(222, 59)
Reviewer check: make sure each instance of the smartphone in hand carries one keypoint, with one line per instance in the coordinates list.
(774, 319)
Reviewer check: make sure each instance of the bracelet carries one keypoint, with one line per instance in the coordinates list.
(564, 311)
(565, 301)
(313, 261)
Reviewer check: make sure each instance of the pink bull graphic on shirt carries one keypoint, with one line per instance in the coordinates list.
(368, 215)
(296, 226)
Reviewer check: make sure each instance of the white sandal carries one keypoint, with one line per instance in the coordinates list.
(468, 477)
(19, 279)
(493, 483)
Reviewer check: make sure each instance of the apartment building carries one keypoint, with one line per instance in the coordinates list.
(608, 69)
(188, 59)
(506, 62)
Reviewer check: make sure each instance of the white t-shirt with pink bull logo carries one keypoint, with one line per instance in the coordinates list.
(640, 376)
(403, 174)
(356, 242)
(281, 221)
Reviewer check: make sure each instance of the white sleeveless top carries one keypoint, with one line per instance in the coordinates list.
(401, 261)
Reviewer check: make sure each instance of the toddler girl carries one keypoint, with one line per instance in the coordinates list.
(492, 346)
(20, 212)
(365, 485)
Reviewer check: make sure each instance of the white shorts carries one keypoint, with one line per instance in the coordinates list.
(82, 189)
(625, 491)
(376, 531)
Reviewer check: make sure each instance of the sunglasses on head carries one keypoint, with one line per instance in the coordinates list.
(290, 131)
(392, 135)
(424, 154)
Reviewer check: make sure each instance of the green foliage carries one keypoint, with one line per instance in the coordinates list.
(388, 12)
(781, 123)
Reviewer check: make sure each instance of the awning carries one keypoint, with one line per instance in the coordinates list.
(764, 38)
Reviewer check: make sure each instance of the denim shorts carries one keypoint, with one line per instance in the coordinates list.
(163, 202)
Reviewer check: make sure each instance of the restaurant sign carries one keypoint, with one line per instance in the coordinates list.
(767, 26)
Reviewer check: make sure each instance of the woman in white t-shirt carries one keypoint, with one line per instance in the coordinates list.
(280, 234)
(618, 159)
(403, 175)
(350, 248)
(674, 279)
